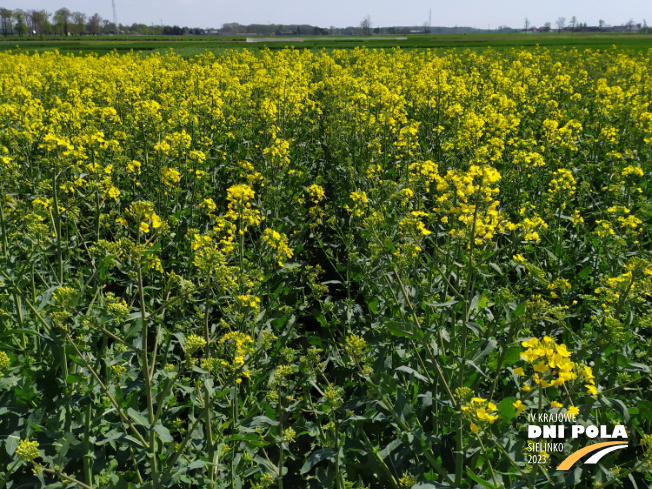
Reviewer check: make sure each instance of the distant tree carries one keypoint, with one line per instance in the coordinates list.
(6, 15)
(232, 28)
(21, 25)
(38, 21)
(29, 20)
(93, 25)
(630, 25)
(561, 23)
(174, 30)
(547, 26)
(573, 23)
(365, 25)
(61, 19)
(601, 24)
(109, 27)
(527, 24)
(80, 22)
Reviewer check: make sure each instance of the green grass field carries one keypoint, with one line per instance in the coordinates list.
(190, 46)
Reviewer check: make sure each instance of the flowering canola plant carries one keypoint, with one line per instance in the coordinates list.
(322, 268)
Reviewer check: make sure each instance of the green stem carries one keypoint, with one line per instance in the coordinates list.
(123, 416)
(522, 474)
(57, 223)
(5, 249)
(180, 450)
(10, 469)
(148, 379)
(88, 455)
(3, 227)
(388, 473)
(66, 478)
(491, 468)
(424, 340)
(402, 424)
(281, 454)
(207, 402)
(621, 303)
(640, 465)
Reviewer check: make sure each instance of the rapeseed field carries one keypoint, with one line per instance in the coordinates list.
(353, 269)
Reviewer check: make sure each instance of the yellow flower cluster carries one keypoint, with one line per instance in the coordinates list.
(193, 343)
(249, 172)
(360, 203)
(552, 365)
(413, 226)
(239, 345)
(314, 194)
(279, 243)
(634, 283)
(424, 174)
(531, 227)
(278, 152)
(143, 212)
(5, 362)
(472, 195)
(27, 451)
(479, 411)
(249, 300)
(170, 176)
(562, 186)
(239, 199)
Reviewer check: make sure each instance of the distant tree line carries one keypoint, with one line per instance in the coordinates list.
(63, 22)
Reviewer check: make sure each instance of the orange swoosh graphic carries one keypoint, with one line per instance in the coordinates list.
(575, 456)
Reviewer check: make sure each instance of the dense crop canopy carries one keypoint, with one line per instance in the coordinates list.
(309, 269)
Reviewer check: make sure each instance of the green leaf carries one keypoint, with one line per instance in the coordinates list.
(475, 302)
(484, 350)
(645, 408)
(122, 437)
(137, 417)
(163, 432)
(480, 481)
(385, 452)
(411, 371)
(496, 267)
(46, 298)
(430, 485)
(475, 327)
(316, 457)
(258, 420)
(400, 329)
(11, 443)
(520, 309)
(506, 409)
(14, 332)
(136, 315)
(512, 356)
(619, 406)
(442, 304)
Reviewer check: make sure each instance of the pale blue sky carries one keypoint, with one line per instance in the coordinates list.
(342, 13)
